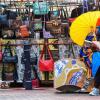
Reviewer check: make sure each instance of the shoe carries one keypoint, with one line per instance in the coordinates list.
(83, 90)
(94, 92)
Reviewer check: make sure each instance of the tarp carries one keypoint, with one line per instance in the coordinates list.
(69, 74)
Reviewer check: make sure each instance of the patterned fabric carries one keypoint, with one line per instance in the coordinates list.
(20, 67)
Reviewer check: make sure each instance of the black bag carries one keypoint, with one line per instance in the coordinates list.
(10, 59)
(9, 76)
(12, 15)
(7, 71)
(7, 55)
(3, 20)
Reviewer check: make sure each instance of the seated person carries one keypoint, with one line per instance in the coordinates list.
(86, 56)
(95, 67)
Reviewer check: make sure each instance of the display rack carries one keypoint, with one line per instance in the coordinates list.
(46, 41)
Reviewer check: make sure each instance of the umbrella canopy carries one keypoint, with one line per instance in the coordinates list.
(83, 25)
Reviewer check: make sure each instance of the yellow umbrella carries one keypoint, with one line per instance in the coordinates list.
(83, 25)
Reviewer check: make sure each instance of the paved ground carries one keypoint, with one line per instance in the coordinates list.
(42, 94)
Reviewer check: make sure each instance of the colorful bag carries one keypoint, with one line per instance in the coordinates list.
(40, 8)
(46, 34)
(24, 31)
(37, 24)
(54, 26)
(46, 65)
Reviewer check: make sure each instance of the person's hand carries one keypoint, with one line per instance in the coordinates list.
(96, 44)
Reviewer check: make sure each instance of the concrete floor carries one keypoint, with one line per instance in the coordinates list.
(42, 94)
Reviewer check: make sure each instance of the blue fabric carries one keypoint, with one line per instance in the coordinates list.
(98, 27)
(95, 62)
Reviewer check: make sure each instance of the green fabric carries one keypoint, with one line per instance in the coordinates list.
(40, 8)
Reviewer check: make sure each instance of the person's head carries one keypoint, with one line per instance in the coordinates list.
(94, 47)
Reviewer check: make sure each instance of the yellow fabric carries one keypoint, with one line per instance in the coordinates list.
(83, 25)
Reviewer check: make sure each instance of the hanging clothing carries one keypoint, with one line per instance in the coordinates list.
(20, 67)
(35, 52)
(62, 50)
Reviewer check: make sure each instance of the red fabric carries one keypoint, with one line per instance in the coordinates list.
(46, 65)
(98, 22)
